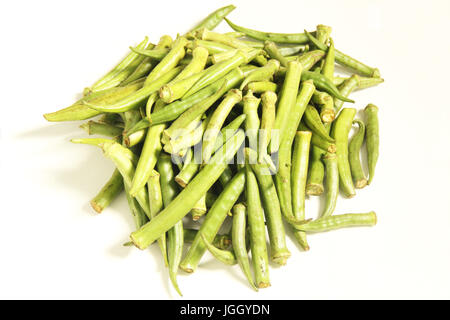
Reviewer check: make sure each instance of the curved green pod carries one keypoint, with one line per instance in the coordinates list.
(286, 101)
(251, 106)
(261, 74)
(331, 183)
(225, 256)
(271, 48)
(212, 46)
(169, 62)
(216, 122)
(238, 239)
(262, 86)
(110, 191)
(258, 247)
(214, 18)
(80, 111)
(314, 122)
(174, 109)
(295, 38)
(269, 99)
(316, 171)
(137, 98)
(345, 89)
(205, 34)
(279, 252)
(214, 219)
(340, 221)
(187, 198)
(324, 84)
(354, 148)
(155, 53)
(372, 138)
(340, 130)
(328, 66)
(346, 60)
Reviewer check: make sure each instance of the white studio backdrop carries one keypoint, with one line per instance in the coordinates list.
(53, 245)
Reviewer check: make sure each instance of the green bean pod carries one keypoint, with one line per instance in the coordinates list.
(216, 72)
(92, 127)
(257, 228)
(286, 102)
(279, 252)
(187, 198)
(262, 74)
(314, 122)
(372, 138)
(80, 111)
(169, 190)
(137, 98)
(345, 89)
(339, 222)
(262, 86)
(214, 18)
(217, 119)
(328, 66)
(283, 176)
(324, 84)
(316, 171)
(110, 191)
(251, 105)
(212, 46)
(143, 69)
(332, 183)
(269, 99)
(309, 59)
(225, 256)
(174, 109)
(195, 111)
(340, 130)
(149, 154)
(187, 78)
(295, 38)
(346, 60)
(271, 48)
(221, 241)
(138, 214)
(205, 34)
(118, 69)
(354, 147)
(238, 239)
(169, 62)
(156, 205)
(214, 219)
(298, 179)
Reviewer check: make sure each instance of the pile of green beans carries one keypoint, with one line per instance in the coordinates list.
(242, 126)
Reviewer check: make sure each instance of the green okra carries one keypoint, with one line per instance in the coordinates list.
(139, 216)
(205, 34)
(214, 18)
(187, 198)
(354, 148)
(251, 105)
(314, 184)
(340, 130)
(262, 74)
(225, 256)
(212, 46)
(214, 219)
(238, 236)
(295, 38)
(103, 129)
(186, 78)
(346, 60)
(309, 59)
(217, 119)
(260, 257)
(372, 138)
(137, 98)
(286, 101)
(169, 62)
(174, 109)
(328, 66)
(269, 99)
(271, 48)
(156, 205)
(221, 241)
(262, 86)
(331, 183)
(340, 221)
(110, 191)
(345, 89)
(324, 84)
(314, 122)
(279, 252)
(155, 53)
(147, 64)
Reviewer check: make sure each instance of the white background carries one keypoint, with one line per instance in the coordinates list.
(52, 244)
